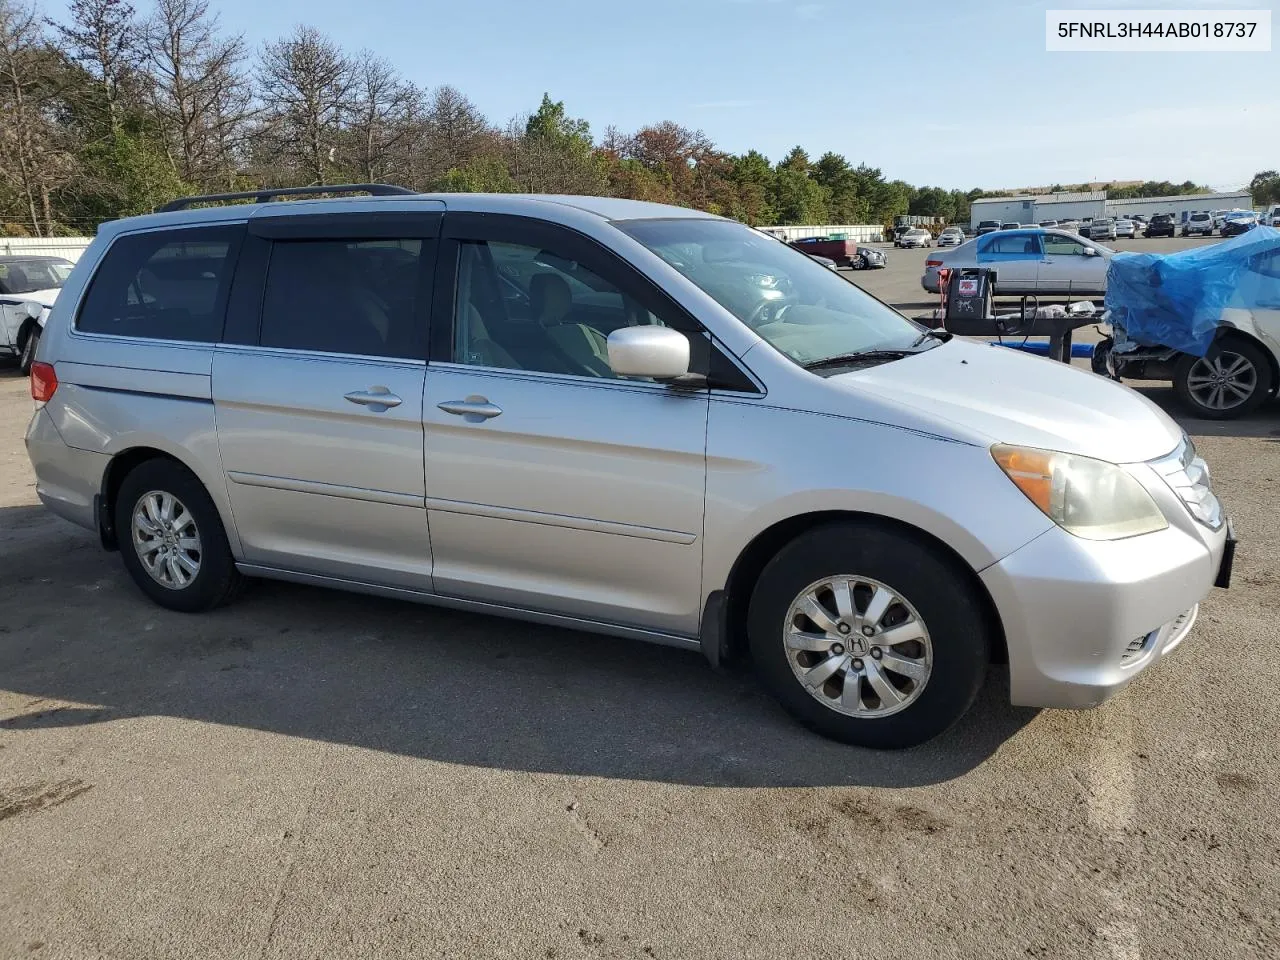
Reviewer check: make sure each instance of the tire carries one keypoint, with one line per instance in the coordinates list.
(1223, 358)
(925, 588)
(215, 580)
(28, 354)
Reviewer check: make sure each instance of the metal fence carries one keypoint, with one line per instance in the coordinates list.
(860, 232)
(68, 247)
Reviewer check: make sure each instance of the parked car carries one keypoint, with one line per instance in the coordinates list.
(1010, 226)
(599, 453)
(1028, 261)
(825, 261)
(1238, 368)
(1272, 216)
(843, 252)
(899, 232)
(1071, 226)
(28, 288)
(916, 238)
(951, 237)
(1218, 217)
(1124, 227)
(869, 258)
(987, 226)
(1048, 223)
(1238, 223)
(1102, 229)
(1198, 224)
(1161, 225)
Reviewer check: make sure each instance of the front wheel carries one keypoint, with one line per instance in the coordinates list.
(28, 355)
(1232, 379)
(868, 636)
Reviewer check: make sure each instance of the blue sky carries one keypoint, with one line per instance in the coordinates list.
(957, 93)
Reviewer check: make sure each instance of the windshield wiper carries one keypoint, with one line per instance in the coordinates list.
(942, 336)
(853, 359)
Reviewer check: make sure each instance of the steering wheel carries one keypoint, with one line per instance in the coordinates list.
(767, 311)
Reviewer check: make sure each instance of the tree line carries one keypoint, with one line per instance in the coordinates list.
(111, 111)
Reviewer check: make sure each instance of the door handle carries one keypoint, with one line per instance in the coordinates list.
(377, 399)
(474, 408)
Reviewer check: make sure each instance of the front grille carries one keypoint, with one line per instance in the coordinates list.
(1188, 476)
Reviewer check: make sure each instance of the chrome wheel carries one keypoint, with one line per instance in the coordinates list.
(857, 646)
(1223, 381)
(166, 539)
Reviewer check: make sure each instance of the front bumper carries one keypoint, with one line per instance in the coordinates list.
(1082, 618)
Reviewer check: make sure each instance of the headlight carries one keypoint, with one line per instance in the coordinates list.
(1089, 498)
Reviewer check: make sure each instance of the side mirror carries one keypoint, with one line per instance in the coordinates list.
(33, 309)
(1090, 252)
(657, 352)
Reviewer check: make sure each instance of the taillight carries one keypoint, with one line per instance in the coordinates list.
(43, 382)
(933, 263)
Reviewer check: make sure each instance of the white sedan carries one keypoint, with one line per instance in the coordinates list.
(1029, 261)
(28, 287)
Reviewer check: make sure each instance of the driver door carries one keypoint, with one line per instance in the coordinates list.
(553, 484)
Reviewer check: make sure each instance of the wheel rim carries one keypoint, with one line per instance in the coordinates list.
(166, 539)
(857, 646)
(1222, 382)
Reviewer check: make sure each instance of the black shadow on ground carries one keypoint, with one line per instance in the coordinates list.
(415, 680)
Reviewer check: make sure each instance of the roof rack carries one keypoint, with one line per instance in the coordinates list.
(266, 195)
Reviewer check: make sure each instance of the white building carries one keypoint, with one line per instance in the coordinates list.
(1033, 209)
(1094, 204)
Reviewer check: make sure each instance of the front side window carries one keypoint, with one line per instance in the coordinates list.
(163, 285)
(1060, 246)
(807, 312)
(344, 296)
(523, 307)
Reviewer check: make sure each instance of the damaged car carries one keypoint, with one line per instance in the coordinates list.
(1207, 319)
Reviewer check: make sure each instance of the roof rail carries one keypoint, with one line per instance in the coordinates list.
(265, 195)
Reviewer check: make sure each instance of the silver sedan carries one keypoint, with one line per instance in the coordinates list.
(1029, 261)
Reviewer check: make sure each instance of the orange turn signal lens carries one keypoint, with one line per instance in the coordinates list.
(1030, 470)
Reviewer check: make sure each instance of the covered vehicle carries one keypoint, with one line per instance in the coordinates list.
(1207, 318)
(28, 288)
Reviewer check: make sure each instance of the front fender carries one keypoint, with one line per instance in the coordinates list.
(815, 463)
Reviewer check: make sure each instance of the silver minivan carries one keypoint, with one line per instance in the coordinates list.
(625, 418)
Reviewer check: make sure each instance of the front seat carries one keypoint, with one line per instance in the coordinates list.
(552, 303)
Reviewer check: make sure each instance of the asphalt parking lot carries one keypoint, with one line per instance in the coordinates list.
(313, 774)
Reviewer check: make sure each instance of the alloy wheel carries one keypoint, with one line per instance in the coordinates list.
(857, 646)
(166, 539)
(1222, 382)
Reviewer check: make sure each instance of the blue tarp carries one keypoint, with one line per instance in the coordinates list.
(1176, 299)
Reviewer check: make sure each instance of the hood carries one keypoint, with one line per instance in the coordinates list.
(43, 297)
(998, 395)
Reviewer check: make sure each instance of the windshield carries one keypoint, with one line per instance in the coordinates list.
(804, 310)
(28, 276)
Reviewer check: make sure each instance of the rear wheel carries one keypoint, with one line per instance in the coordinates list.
(1232, 379)
(172, 540)
(28, 354)
(868, 636)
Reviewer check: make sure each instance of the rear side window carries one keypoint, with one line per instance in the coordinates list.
(345, 296)
(163, 285)
(1018, 244)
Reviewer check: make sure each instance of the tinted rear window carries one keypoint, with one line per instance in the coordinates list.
(163, 285)
(344, 296)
